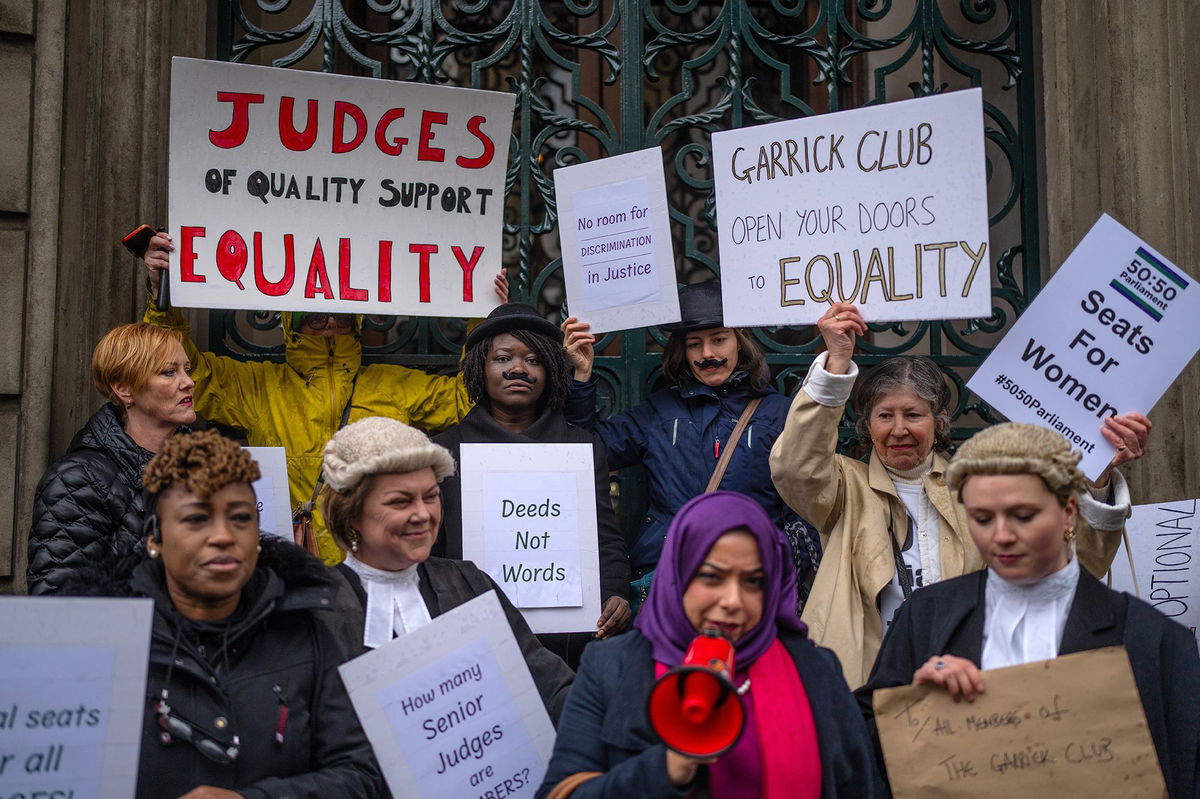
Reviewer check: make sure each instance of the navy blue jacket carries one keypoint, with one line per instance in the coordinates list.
(604, 725)
(674, 434)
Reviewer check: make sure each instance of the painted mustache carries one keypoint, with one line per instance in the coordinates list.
(519, 376)
(710, 363)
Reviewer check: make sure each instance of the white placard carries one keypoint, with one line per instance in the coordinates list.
(272, 491)
(451, 709)
(1107, 335)
(615, 227)
(883, 206)
(1165, 538)
(546, 559)
(72, 696)
(298, 190)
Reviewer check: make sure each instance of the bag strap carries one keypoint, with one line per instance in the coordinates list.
(312, 501)
(905, 578)
(731, 445)
(568, 785)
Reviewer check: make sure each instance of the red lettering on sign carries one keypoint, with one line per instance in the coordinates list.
(385, 271)
(425, 251)
(187, 254)
(396, 145)
(424, 151)
(341, 110)
(468, 268)
(293, 139)
(235, 134)
(474, 125)
(318, 279)
(284, 284)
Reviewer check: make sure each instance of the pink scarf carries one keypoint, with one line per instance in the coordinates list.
(777, 757)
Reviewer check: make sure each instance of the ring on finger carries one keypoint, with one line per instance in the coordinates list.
(837, 317)
(941, 664)
(1121, 448)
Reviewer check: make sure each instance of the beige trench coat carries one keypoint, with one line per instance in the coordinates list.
(854, 505)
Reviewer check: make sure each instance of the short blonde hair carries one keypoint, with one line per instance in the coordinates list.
(1017, 448)
(130, 355)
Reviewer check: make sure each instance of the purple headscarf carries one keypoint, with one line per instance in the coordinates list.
(693, 531)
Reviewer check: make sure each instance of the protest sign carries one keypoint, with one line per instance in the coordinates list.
(72, 696)
(1071, 726)
(1165, 543)
(883, 206)
(1108, 334)
(529, 521)
(298, 190)
(451, 709)
(272, 491)
(615, 229)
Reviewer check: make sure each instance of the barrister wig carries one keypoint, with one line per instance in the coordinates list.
(548, 351)
(1018, 448)
(362, 449)
(203, 463)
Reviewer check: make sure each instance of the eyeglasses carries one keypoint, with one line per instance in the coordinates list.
(320, 321)
(206, 742)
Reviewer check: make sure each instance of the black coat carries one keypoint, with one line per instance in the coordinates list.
(478, 427)
(446, 584)
(605, 728)
(89, 504)
(947, 618)
(293, 628)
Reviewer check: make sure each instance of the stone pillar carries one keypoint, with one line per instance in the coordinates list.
(83, 113)
(1121, 122)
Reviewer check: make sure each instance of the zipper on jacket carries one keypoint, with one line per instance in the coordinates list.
(281, 720)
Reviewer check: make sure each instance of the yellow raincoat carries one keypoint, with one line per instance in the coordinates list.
(298, 404)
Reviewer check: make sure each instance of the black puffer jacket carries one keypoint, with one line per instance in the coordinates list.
(89, 503)
(269, 669)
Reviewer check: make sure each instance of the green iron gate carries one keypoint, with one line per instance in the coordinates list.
(594, 78)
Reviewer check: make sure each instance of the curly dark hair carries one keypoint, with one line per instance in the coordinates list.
(550, 352)
(203, 463)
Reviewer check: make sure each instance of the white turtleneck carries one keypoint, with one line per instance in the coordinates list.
(394, 602)
(1024, 621)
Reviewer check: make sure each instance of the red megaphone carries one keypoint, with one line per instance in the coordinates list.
(694, 707)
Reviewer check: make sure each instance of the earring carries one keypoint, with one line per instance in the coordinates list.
(259, 547)
(353, 541)
(1070, 536)
(153, 553)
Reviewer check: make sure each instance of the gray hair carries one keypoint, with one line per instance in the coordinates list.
(919, 375)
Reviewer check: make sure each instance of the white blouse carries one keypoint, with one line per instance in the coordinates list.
(394, 602)
(1024, 621)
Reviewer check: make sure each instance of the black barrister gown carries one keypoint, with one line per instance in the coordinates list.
(947, 619)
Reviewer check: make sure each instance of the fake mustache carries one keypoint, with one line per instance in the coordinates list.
(710, 363)
(519, 376)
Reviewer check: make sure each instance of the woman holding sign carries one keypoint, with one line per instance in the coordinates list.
(720, 402)
(1020, 486)
(725, 568)
(891, 526)
(244, 696)
(383, 500)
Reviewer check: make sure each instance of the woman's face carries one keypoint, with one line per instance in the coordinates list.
(712, 354)
(399, 521)
(902, 429)
(726, 593)
(1018, 524)
(209, 548)
(167, 396)
(515, 377)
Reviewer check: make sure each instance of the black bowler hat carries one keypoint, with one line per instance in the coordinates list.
(513, 316)
(699, 308)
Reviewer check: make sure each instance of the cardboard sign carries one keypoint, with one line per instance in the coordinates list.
(1108, 334)
(72, 695)
(1165, 540)
(883, 206)
(272, 491)
(297, 190)
(1071, 726)
(615, 227)
(529, 521)
(451, 709)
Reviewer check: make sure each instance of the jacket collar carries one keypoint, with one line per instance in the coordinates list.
(104, 433)
(1094, 620)
(309, 354)
(737, 385)
(478, 425)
